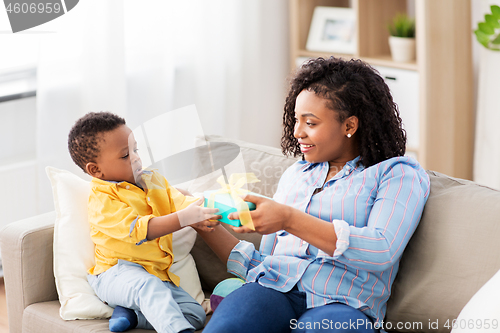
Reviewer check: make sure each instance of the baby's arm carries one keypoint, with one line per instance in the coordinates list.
(184, 192)
(193, 215)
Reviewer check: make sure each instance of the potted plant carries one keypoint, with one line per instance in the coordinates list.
(488, 32)
(402, 38)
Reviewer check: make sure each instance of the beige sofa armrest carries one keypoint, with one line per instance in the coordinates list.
(27, 260)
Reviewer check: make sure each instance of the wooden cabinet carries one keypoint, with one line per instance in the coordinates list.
(443, 69)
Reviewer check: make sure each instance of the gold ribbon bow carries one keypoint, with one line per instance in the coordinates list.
(236, 181)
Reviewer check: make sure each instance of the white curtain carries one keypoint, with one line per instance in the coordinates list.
(141, 59)
(487, 143)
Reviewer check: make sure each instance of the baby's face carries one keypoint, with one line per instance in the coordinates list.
(118, 159)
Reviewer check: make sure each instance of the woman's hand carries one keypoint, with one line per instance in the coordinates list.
(268, 217)
(207, 225)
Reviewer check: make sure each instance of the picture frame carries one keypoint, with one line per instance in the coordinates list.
(333, 29)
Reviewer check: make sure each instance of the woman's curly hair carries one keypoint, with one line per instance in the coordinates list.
(84, 137)
(352, 88)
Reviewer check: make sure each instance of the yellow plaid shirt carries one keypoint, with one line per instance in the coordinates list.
(119, 214)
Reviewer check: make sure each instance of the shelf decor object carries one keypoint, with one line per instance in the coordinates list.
(402, 38)
(332, 29)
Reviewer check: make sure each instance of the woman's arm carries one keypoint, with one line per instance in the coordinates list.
(220, 241)
(394, 215)
(402, 192)
(272, 216)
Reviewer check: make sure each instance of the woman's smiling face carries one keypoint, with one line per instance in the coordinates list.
(322, 137)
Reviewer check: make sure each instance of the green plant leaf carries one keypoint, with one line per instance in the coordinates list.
(495, 10)
(485, 44)
(486, 28)
(496, 40)
(482, 37)
(492, 21)
(402, 26)
(487, 33)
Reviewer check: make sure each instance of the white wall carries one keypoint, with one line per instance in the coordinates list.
(477, 16)
(487, 139)
(18, 160)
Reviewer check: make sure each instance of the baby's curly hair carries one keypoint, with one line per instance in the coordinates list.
(352, 88)
(84, 137)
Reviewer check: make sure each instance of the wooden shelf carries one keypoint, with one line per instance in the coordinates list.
(387, 61)
(384, 60)
(443, 65)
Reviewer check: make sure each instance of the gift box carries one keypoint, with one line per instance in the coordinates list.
(228, 198)
(226, 205)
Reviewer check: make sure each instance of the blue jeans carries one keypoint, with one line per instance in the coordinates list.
(159, 305)
(254, 308)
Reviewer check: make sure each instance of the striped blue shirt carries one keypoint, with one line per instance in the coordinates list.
(374, 210)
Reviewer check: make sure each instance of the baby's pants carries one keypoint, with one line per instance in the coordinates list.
(159, 305)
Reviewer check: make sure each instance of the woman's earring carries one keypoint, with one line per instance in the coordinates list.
(349, 135)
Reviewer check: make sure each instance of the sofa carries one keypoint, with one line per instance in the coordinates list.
(453, 253)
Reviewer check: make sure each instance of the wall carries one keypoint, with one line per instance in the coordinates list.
(487, 138)
(18, 160)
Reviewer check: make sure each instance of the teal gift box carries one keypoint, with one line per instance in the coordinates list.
(224, 202)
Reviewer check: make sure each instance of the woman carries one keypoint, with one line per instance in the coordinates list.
(341, 217)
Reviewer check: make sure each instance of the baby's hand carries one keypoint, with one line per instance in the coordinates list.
(194, 213)
(207, 225)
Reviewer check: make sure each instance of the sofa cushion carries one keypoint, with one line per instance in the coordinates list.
(44, 317)
(210, 268)
(442, 268)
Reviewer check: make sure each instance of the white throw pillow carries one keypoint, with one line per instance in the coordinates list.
(73, 248)
(72, 231)
(482, 312)
(184, 265)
